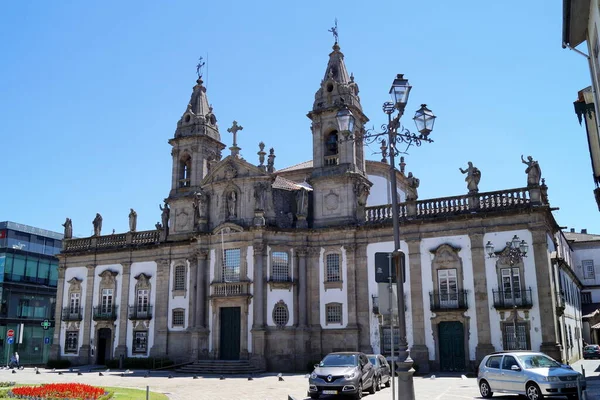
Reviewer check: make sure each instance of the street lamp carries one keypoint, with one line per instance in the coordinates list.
(513, 254)
(395, 134)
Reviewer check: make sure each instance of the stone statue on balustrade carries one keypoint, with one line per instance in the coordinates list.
(200, 204)
(132, 220)
(413, 183)
(68, 228)
(533, 171)
(97, 222)
(165, 211)
(473, 178)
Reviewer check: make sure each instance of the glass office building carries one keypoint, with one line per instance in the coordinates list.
(28, 278)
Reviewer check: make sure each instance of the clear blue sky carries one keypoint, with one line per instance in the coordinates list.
(90, 92)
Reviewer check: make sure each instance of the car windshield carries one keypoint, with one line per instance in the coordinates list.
(538, 361)
(338, 360)
(373, 360)
(590, 348)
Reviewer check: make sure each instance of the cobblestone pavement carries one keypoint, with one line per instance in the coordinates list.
(266, 387)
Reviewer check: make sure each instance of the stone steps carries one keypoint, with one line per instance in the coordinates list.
(220, 367)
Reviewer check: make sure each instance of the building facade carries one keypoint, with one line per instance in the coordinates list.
(278, 266)
(29, 275)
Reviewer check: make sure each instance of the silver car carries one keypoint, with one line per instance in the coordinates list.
(528, 373)
(347, 373)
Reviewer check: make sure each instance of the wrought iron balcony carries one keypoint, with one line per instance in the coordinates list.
(71, 314)
(105, 313)
(447, 301)
(508, 299)
(140, 312)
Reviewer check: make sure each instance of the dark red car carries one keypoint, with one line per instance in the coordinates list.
(591, 351)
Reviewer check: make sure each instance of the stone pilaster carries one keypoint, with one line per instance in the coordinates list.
(482, 306)
(363, 312)
(60, 294)
(199, 332)
(543, 272)
(161, 309)
(87, 323)
(123, 311)
(259, 300)
(193, 291)
(302, 288)
(419, 351)
(314, 319)
(351, 285)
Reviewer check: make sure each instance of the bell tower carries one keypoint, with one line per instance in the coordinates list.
(339, 176)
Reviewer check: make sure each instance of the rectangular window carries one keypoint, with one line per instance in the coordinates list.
(142, 301)
(333, 268)
(511, 288)
(74, 303)
(178, 318)
(179, 278)
(514, 341)
(280, 269)
(18, 271)
(333, 313)
(107, 301)
(31, 269)
(448, 287)
(231, 265)
(588, 269)
(43, 272)
(140, 341)
(53, 281)
(586, 298)
(71, 341)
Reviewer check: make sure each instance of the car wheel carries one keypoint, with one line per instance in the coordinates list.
(373, 387)
(485, 389)
(378, 384)
(573, 397)
(533, 392)
(360, 391)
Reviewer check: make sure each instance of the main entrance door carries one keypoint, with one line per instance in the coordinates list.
(104, 345)
(452, 346)
(229, 344)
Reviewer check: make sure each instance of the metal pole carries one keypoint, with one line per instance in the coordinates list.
(406, 388)
(391, 310)
(147, 392)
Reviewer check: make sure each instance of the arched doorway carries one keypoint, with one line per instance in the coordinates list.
(104, 340)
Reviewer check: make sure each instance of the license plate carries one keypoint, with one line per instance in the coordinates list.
(570, 385)
(329, 391)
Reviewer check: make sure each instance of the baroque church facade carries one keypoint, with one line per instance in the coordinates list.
(278, 266)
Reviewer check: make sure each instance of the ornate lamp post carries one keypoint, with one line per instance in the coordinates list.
(396, 134)
(513, 254)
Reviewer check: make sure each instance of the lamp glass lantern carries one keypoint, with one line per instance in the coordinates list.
(345, 120)
(489, 248)
(400, 90)
(524, 247)
(424, 120)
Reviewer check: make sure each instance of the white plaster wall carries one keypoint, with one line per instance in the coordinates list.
(70, 273)
(593, 21)
(274, 295)
(148, 268)
(250, 267)
(179, 301)
(381, 192)
(499, 240)
(427, 246)
(386, 247)
(581, 254)
(116, 301)
(333, 295)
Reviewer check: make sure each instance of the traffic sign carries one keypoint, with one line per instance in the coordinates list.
(46, 340)
(46, 324)
(10, 333)
(10, 340)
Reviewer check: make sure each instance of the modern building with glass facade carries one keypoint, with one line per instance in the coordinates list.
(28, 277)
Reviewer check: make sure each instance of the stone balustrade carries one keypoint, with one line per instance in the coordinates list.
(225, 289)
(111, 241)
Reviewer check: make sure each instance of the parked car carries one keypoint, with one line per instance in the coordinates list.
(347, 373)
(528, 373)
(383, 372)
(591, 351)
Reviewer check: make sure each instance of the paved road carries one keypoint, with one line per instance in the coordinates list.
(181, 387)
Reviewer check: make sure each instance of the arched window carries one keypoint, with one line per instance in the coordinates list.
(185, 171)
(331, 149)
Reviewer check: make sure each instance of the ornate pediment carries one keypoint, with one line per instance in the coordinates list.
(226, 228)
(108, 277)
(446, 256)
(232, 168)
(143, 281)
(75, 284)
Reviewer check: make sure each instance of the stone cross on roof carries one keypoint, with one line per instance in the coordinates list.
(235, 150)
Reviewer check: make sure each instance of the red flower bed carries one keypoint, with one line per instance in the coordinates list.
(59, 391)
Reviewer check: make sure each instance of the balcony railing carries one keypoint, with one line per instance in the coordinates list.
(230, 289)
(71, 314)
(507, 299)
(112, 241)
(441, 301)
(140, 312)
(105, 313)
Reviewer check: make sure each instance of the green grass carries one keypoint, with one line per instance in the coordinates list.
(133, 394)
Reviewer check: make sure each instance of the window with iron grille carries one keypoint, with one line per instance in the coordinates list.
(281, 315)
(179, 278)
(586, 298)
(333, 268)
(231, 265)
(333, 312)
(140, 341)
(178, 317)
(588, 269)
(280, 269)
(71, 341)
(518, 341)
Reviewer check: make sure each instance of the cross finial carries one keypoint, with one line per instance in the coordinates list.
(234, 129)
(199, 67)
(334, 30)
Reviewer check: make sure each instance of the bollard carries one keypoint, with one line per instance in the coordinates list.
(147, 392)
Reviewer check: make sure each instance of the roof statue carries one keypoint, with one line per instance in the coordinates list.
(334, 30)
(199, 67)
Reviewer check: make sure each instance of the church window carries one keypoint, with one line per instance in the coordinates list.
(71, 341)
(331, 149)
(179, 278)
(185, 171)
(333, 268)
(178, 317)
(280, 269)
(281, 315)
(333, 313)
(231, 265)
(140, 341)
